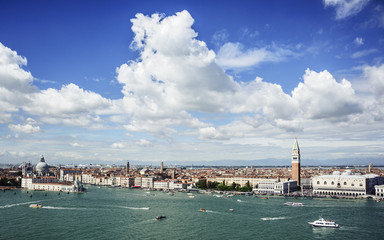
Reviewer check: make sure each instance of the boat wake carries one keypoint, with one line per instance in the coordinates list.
(62, 208)
(18, 204)
(273, 218)
(138, 208)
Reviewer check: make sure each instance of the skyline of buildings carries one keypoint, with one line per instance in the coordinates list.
(320, 181)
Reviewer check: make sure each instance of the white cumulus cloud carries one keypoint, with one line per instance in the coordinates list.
(321, 96)
(15, 83)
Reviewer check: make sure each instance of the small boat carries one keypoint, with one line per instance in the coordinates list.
(160, 217)
(264, 198)
(294, 204)
(36, 205)
(202, 210)
(231, 210)
(324, 223)
(239, 200)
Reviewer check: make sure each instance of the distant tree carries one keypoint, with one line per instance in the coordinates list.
(202, 184)
(212, 185)
(222, 186)
(246, 188)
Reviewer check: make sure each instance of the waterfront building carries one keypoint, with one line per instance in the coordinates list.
(296, 162)
(175, 185)
(267, 186)
(379, 191)
(276, 187)
(345, 184)
(137, 182)
(161, 184)
(50, 184)
(242, 181)
(147, 182)
(68, 174)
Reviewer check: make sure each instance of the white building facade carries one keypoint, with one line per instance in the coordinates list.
(276, 187)
(379, 191)
(345, 184)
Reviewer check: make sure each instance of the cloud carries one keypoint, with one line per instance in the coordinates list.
(220, 37)
(76, 144)
(118, 145)
(321, 96)
(359, 41)
(12, 76)
(15, 83)
(167, 84)
(233, 55)
(346, 8)
(27, 128)
(211, 133)
(375, 78)
(363, 53)
(144, 143)
(70, 105)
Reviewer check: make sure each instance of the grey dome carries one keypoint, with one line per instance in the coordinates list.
(42, 167)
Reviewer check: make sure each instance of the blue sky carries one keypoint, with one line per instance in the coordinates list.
(191, 81)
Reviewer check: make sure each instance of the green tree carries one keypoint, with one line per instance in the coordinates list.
(202, 184)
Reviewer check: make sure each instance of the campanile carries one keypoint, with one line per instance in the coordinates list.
(296, 162)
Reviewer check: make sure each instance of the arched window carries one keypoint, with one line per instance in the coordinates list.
(332, 183)
(352, 184)
(318, 182)
(325, 182)
(345, 183)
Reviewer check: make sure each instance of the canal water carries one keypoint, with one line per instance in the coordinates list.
(115, 213)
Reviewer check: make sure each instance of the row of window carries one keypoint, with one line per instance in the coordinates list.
(338, 184)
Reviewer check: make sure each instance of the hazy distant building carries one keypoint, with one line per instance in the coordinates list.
(27, 169)
(127, 169)
(161, 167)
(296, 162)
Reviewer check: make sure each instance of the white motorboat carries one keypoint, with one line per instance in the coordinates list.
(324, 223)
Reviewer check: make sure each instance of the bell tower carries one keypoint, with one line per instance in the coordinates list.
(296, 162)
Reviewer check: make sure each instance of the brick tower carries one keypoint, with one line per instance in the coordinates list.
(296, 162)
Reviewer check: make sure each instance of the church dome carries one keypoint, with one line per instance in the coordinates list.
(336, 173)
(42, 167)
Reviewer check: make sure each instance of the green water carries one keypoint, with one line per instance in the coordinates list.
(114, 213)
